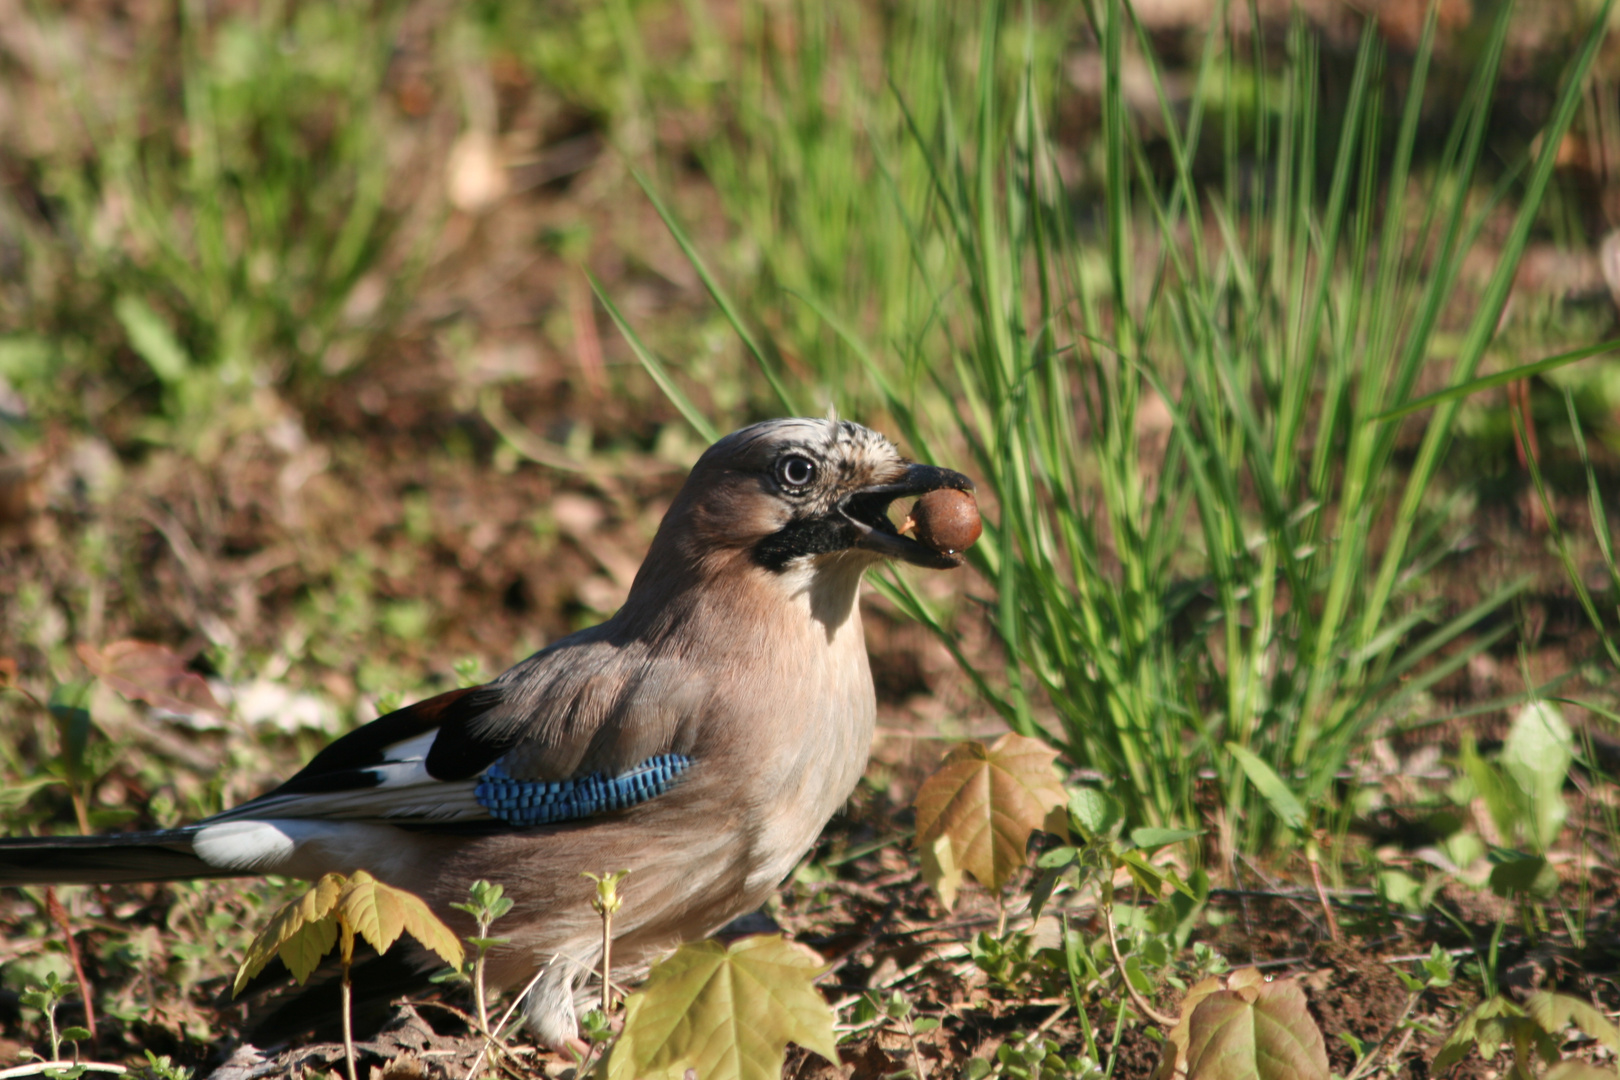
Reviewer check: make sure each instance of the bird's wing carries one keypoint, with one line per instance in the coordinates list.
(548, 742)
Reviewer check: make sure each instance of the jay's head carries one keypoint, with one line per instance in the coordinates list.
(791, 495)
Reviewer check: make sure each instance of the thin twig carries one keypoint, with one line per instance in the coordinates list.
(1137, 999)
(59, 916)
(1327, 907)
(495, 1039)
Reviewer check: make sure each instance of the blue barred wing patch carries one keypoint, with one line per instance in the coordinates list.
(543, 802)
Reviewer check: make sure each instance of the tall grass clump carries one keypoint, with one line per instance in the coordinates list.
(212, 196)
(1206, 558)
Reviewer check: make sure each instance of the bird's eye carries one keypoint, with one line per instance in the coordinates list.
(795, 472)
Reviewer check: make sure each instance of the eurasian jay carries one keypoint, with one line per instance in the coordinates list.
(700, 738)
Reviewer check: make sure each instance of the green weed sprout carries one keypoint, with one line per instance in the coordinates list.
(607, 903)
(487, 905)
(45, 998)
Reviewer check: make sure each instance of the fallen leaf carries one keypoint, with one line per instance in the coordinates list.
(726, 1013)
(151, 673)
(987, 801)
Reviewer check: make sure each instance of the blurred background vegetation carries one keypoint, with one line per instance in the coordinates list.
(353, 351)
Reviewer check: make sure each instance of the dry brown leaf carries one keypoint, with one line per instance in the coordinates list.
(987, 801)
(151, 673)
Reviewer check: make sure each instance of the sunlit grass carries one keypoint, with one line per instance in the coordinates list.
(1176, 400)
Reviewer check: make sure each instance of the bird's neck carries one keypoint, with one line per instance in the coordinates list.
(726, 590)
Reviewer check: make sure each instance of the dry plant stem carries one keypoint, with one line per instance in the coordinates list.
(494, 1038)
(1321, 894)
(1136, 998)
(916, 1055)
(59, 915)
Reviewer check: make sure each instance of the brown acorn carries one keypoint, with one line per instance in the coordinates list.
(946, 520)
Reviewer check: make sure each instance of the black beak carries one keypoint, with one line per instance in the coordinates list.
(868, 510)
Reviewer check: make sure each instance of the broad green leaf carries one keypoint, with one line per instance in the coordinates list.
(728, 1013)
(1148, 878)
(302, 932)
(1255, 1031)
(380, 913)
(988, 800)
(1466, 1034)
(1531, 875)
(1502, 799)
(16, 794)
(1271, 787)
(1095, 811)
(1554, 1012)
(1537, 755)
(152, 339)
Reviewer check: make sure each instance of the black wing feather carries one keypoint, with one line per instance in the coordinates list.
(344, 764)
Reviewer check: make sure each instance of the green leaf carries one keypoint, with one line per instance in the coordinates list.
(728, 1012)
(380, 912)
(1554, 1012)
(1271, 787)
(152, 339)
(1258, 1031)
(1150, 840)
(1502, 799)
(1466, 1035)
(987, 801)
(1529, 875)
(1096, 812)
(1536, 756)
(1498, 378)
(1148, 878)
(1579, 1070)
(301, 933)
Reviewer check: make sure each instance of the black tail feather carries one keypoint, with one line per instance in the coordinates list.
(164, 855)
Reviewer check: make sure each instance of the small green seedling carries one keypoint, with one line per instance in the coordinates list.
(45, 998)
(606, 904)
(486, 906)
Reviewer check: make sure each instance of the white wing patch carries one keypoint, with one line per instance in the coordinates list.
(402, 789)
